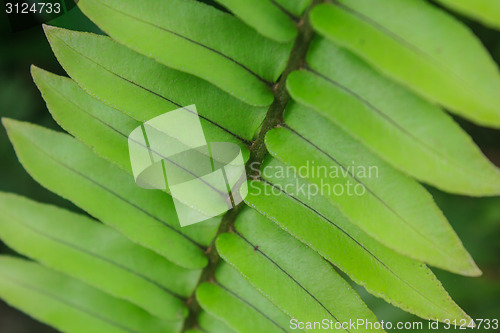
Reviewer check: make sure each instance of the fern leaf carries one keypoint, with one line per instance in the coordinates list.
(441, 59)
(86, 250)
(70, 305)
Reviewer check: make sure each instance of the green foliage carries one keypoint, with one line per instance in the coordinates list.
(339, 86)
(397, 279)
(71, 305)
(389, 120)
(442, 60)
(486, 11)
(96, 254)
(265, 17)
(200, 32)
(289, 273)
(62, 164)
(397, 211)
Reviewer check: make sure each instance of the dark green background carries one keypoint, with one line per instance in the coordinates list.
(477, 221)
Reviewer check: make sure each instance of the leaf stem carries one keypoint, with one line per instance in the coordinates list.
(275, 112)
(258, 151)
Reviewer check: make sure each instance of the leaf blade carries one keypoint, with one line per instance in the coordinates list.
(236, 314)
(189, 47)
(486, 11)
(234, 283)
(106, 131)
(67, 243)
(411, 134)
(70, 305)
(283, 278)
(442, 60)
(101, 186)
(211, 324)
(397, 211)
(109, 72)
(385, 273)
(265, 17)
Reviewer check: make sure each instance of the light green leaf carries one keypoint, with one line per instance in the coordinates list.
(70, 169)
(265, 17)
(411, 134)
(486, 11)
(294, 7)
(197, 39)
(292, 276)
(421, 46)
(288, 201)
(232, 310)
(212, 325)
(144, 88)
(70, 305)
(234, 283)
(103, 128)
(391, 207)
(75, 245)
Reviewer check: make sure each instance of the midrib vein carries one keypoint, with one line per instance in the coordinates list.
(258, 151)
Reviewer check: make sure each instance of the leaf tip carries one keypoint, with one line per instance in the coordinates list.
(14, 126)
(52, 31)
(473, 270)
(8, 123)
(48, 29)
(36, 73)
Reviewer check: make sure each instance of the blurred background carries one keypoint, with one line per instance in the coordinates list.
(477, 221)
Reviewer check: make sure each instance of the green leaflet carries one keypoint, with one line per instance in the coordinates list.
(212, 325)
(70, 305)
(109, 72)
(441, 59)
(280, 267)
(287, 200)
(265, 17)
(84, 249)
(103, 128)
(396, 210)
(233, 311)
(486, 11)
(197, 39)
(410, 133)
(106, 129)
(76, 111)
(294, 7)
(73, 171)
(230, 280)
